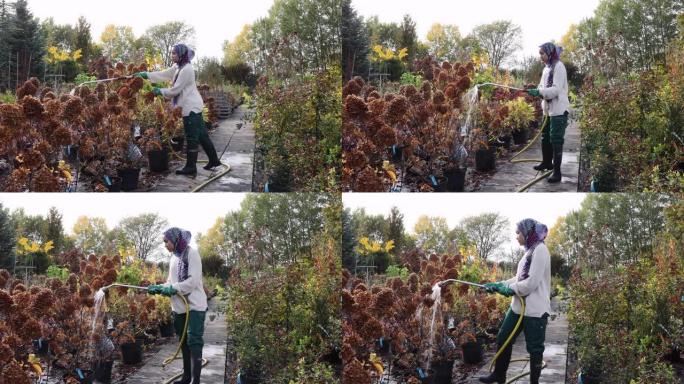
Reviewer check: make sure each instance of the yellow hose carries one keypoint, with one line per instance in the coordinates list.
(508, 341)
(534, 140)
(170, 359)
(213, 178)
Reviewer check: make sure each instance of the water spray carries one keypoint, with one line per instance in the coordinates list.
(510, 337)
(100, 295)
(73, 91)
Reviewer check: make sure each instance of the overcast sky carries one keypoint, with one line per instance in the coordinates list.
(194, 212)
(543, 207)
(541, 21)
(214, 21)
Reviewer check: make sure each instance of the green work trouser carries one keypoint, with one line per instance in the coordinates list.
(194, 339)
(535, 333)
(195, 130)
(553, 129)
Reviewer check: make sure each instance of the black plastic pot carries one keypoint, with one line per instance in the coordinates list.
(87, 376)
(129, 178)
(383, 347)
(439, 185)
(159, 160)
(71, 152)
(472, 352)
(177, 143)
(396, 153)
(455, 179)
(443, 370)
(114, 184)
(429, 377)
(166, 329)
(674, 355)
(131, 353)
(245, 378)
(520, 136)
(485, 159)
(585, 378)
(103, 371)
(41, 346)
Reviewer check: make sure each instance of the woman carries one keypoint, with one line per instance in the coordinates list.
(184, 94)
(185, 278)
(553, 88)
(533, 282)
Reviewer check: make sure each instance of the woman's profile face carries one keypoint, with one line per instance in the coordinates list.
(543, 56)
(174, 56)
(169, 245)
(519, 236)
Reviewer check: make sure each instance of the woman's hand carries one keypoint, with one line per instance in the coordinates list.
(533, 92)
(499, 287)
(157, 91)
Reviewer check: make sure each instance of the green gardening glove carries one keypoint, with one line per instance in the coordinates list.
(533, 92)
(154, 289)
(493, 287)
(506, 291)
(141, 74)
(157, 91)
(168, 290)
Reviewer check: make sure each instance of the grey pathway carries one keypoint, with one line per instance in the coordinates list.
(509, 177)
(239, 156)
(555, 353)
(215, 333)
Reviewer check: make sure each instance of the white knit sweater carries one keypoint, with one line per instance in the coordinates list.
(192, 287)
(189, 98)
(536, 289)
(556, 100)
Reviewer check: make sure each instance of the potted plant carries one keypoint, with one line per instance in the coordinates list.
(485, 155)
(164, 317)
(520, 116)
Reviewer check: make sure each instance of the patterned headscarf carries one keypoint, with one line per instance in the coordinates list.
(534, 234)
(185, 55)
(180, 239)
(553, 52)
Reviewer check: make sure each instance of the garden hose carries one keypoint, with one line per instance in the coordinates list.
(508, 341)
(170, 359)
(512, 160)
(534, 140)
(211, 179)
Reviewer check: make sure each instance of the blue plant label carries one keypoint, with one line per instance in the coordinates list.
(68, 149)
(592, 188)
(80, 374)
(434, 181)
(421, 373)
(266, 187)
(109, 182)
(381, 341)
(394, 149)
(239, 378)
(40, 343)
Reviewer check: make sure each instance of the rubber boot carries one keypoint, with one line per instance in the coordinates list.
(209, 149)
(187, 367)
(547, 155)
(557, 160)
(196, 362)
(190, 168)
(535, 368)
(500, 368)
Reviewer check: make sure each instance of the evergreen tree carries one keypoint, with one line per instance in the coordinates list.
(7, 240)
(26, 41)
(355, 43)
